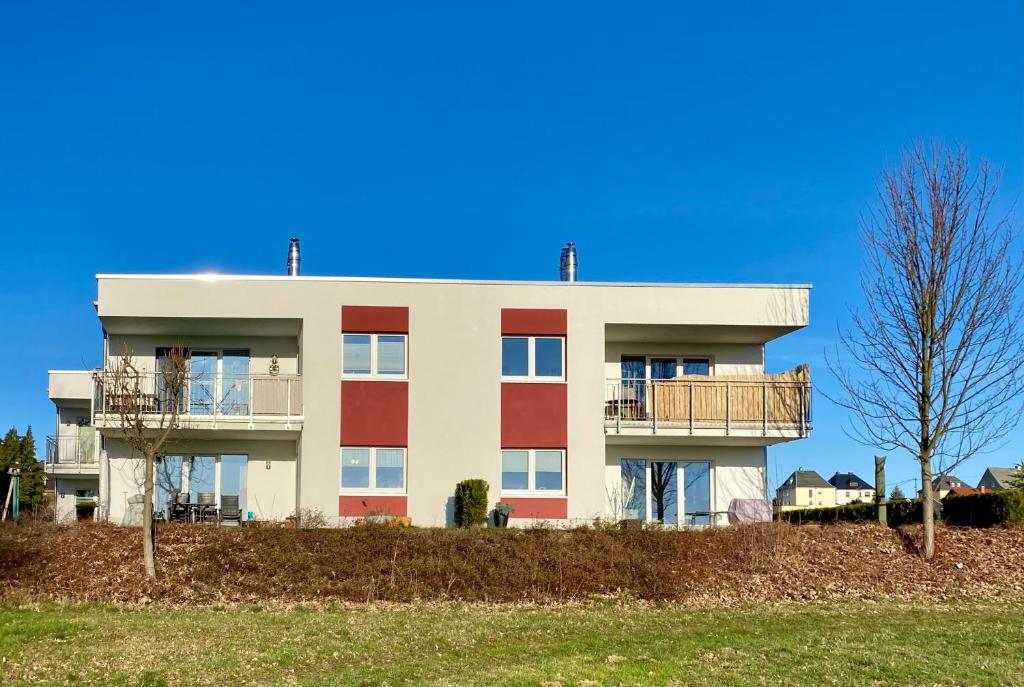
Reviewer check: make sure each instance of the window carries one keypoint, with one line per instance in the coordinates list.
(373, 469)
(374, 355)
(533, 470)
(534, 358)
(696, 366)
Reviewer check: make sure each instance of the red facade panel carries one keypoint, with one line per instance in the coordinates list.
(374, 413)
(539, 508)
(374, 319)
(534, 415)
(536, 322)
(361, 505)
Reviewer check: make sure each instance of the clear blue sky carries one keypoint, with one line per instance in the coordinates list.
(680, 142)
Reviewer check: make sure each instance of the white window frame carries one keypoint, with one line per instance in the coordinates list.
(680, 493)
(531, 360)
(374, 372)
(531, 473)
(372, 489)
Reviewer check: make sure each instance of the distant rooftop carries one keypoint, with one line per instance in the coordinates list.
(848, 480)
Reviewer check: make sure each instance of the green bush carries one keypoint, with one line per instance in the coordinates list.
(984, 510)
(853, 512)
(471, 503)
(906, 512)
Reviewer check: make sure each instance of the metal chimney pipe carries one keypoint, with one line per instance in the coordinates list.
(294, 260)
(568, 262)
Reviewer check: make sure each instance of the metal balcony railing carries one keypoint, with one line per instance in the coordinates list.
(768, 404)
(203, 396)
(80, 449)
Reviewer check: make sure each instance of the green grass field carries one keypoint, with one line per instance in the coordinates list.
(812, 644)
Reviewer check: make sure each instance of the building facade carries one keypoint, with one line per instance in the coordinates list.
(359, 396)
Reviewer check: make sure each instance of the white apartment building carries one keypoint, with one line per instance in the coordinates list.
(357, 396)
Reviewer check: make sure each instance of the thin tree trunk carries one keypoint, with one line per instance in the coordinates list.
(147, 518)
(927, 508)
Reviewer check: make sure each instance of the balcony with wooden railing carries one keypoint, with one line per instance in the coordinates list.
(774, 406)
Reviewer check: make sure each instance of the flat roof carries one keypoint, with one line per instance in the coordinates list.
(214, 277)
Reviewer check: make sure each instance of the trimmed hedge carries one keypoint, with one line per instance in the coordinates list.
(985, 510)
(853, 512)
(471, 503)
(898, 513)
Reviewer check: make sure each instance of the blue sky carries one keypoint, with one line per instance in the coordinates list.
(672, 142)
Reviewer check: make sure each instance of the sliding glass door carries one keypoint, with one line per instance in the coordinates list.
(235, 383)
(202, 388)
(650, 491)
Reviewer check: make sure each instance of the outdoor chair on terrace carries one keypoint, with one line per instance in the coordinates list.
(230, 510)
(177, 507)
(207, 507)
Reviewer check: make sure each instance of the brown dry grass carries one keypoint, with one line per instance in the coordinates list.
(716, 567)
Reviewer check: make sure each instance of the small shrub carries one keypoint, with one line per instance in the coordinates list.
(984, 510)
(471, 503)
(310, 519)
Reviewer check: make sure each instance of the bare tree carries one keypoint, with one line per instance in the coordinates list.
(147, 407)
(933, 364)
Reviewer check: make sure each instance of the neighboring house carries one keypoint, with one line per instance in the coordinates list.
(943, 484)
(851, 489)
(805, 489)
(961, 491)
(358, 395)
(999, 478)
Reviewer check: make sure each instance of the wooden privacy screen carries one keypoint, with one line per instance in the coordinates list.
(740, 397)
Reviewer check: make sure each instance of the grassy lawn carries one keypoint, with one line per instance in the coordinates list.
(816, 644)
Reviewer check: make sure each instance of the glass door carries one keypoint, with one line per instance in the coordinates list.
(233, 480)
(633, 400)
(202, 389)
(650, 491)
(168, 480)
(664, 492)
(235, 383)
(696, 479)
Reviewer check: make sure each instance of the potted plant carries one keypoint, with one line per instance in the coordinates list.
(501, 513)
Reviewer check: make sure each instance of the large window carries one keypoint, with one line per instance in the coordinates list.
(372, 469)
(540, 471)
(533, 358)
(225, 475)
(374, 355)
(667, 492)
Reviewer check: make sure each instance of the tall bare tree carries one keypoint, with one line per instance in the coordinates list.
(933, 362)
(147, 407)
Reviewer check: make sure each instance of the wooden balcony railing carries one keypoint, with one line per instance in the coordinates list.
(765, 402)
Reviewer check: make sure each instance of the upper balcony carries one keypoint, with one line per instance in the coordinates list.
(207, 401)
(743, 409)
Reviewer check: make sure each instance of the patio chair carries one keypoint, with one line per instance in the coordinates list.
(230, 510)
(177, 507)
(207, 507)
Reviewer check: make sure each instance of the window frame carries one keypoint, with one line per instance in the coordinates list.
(375, 373)
(531, 473)
(372, 488)
(531, 360)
